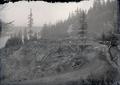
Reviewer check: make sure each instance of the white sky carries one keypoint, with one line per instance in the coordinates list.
(43, 12)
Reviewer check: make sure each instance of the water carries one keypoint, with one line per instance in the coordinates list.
(3, 41)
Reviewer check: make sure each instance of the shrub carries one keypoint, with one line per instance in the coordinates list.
(14, 42)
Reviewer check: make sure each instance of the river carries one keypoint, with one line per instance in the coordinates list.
(3, 41)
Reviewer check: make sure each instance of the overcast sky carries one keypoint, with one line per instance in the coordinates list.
(43, 12)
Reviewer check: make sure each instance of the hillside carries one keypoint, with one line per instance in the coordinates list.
(56, 59)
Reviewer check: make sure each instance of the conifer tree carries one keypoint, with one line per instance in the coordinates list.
(82, 31)
(30, 24)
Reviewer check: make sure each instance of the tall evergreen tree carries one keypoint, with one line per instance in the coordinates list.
(82, 31)
(118, 15)
(0, 28)
(30, 24)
